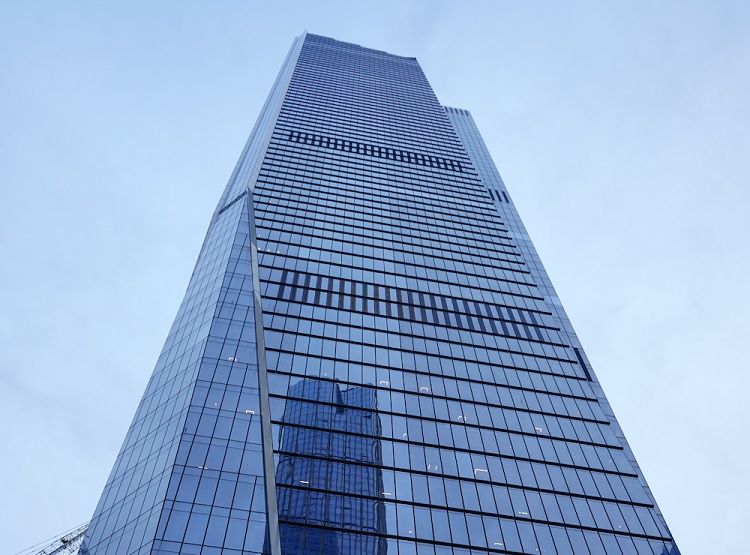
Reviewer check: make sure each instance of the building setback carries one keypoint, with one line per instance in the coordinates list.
(370, 356)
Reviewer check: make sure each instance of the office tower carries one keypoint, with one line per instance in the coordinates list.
(370, 357)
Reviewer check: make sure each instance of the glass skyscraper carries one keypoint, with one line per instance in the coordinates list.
(370, 357)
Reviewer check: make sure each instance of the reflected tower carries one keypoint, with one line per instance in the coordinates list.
(328, 471)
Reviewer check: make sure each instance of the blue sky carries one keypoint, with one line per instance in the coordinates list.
(621, 130)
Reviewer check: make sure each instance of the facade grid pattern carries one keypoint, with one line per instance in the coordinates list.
(370, 357)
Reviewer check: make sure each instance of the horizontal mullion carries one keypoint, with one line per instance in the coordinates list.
(456, 449)
(534, 388)
(442, 178)
(508, 351)
(366, 240)
(344, 297)
(315, 209)
(387, 209)
(326, 183)
(289, 241)
(269, 259)
(271, 220)
(340, 382)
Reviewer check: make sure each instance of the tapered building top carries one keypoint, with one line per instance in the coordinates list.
(370, 356)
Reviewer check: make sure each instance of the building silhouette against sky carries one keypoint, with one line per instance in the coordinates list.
(370, 357)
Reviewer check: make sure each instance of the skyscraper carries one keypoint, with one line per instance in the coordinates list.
(370, 357)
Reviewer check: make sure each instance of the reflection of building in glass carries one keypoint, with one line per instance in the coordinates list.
(329, 482)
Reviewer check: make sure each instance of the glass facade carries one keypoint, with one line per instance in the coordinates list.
(370, 357)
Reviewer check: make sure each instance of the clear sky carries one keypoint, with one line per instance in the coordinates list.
(620, 128)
